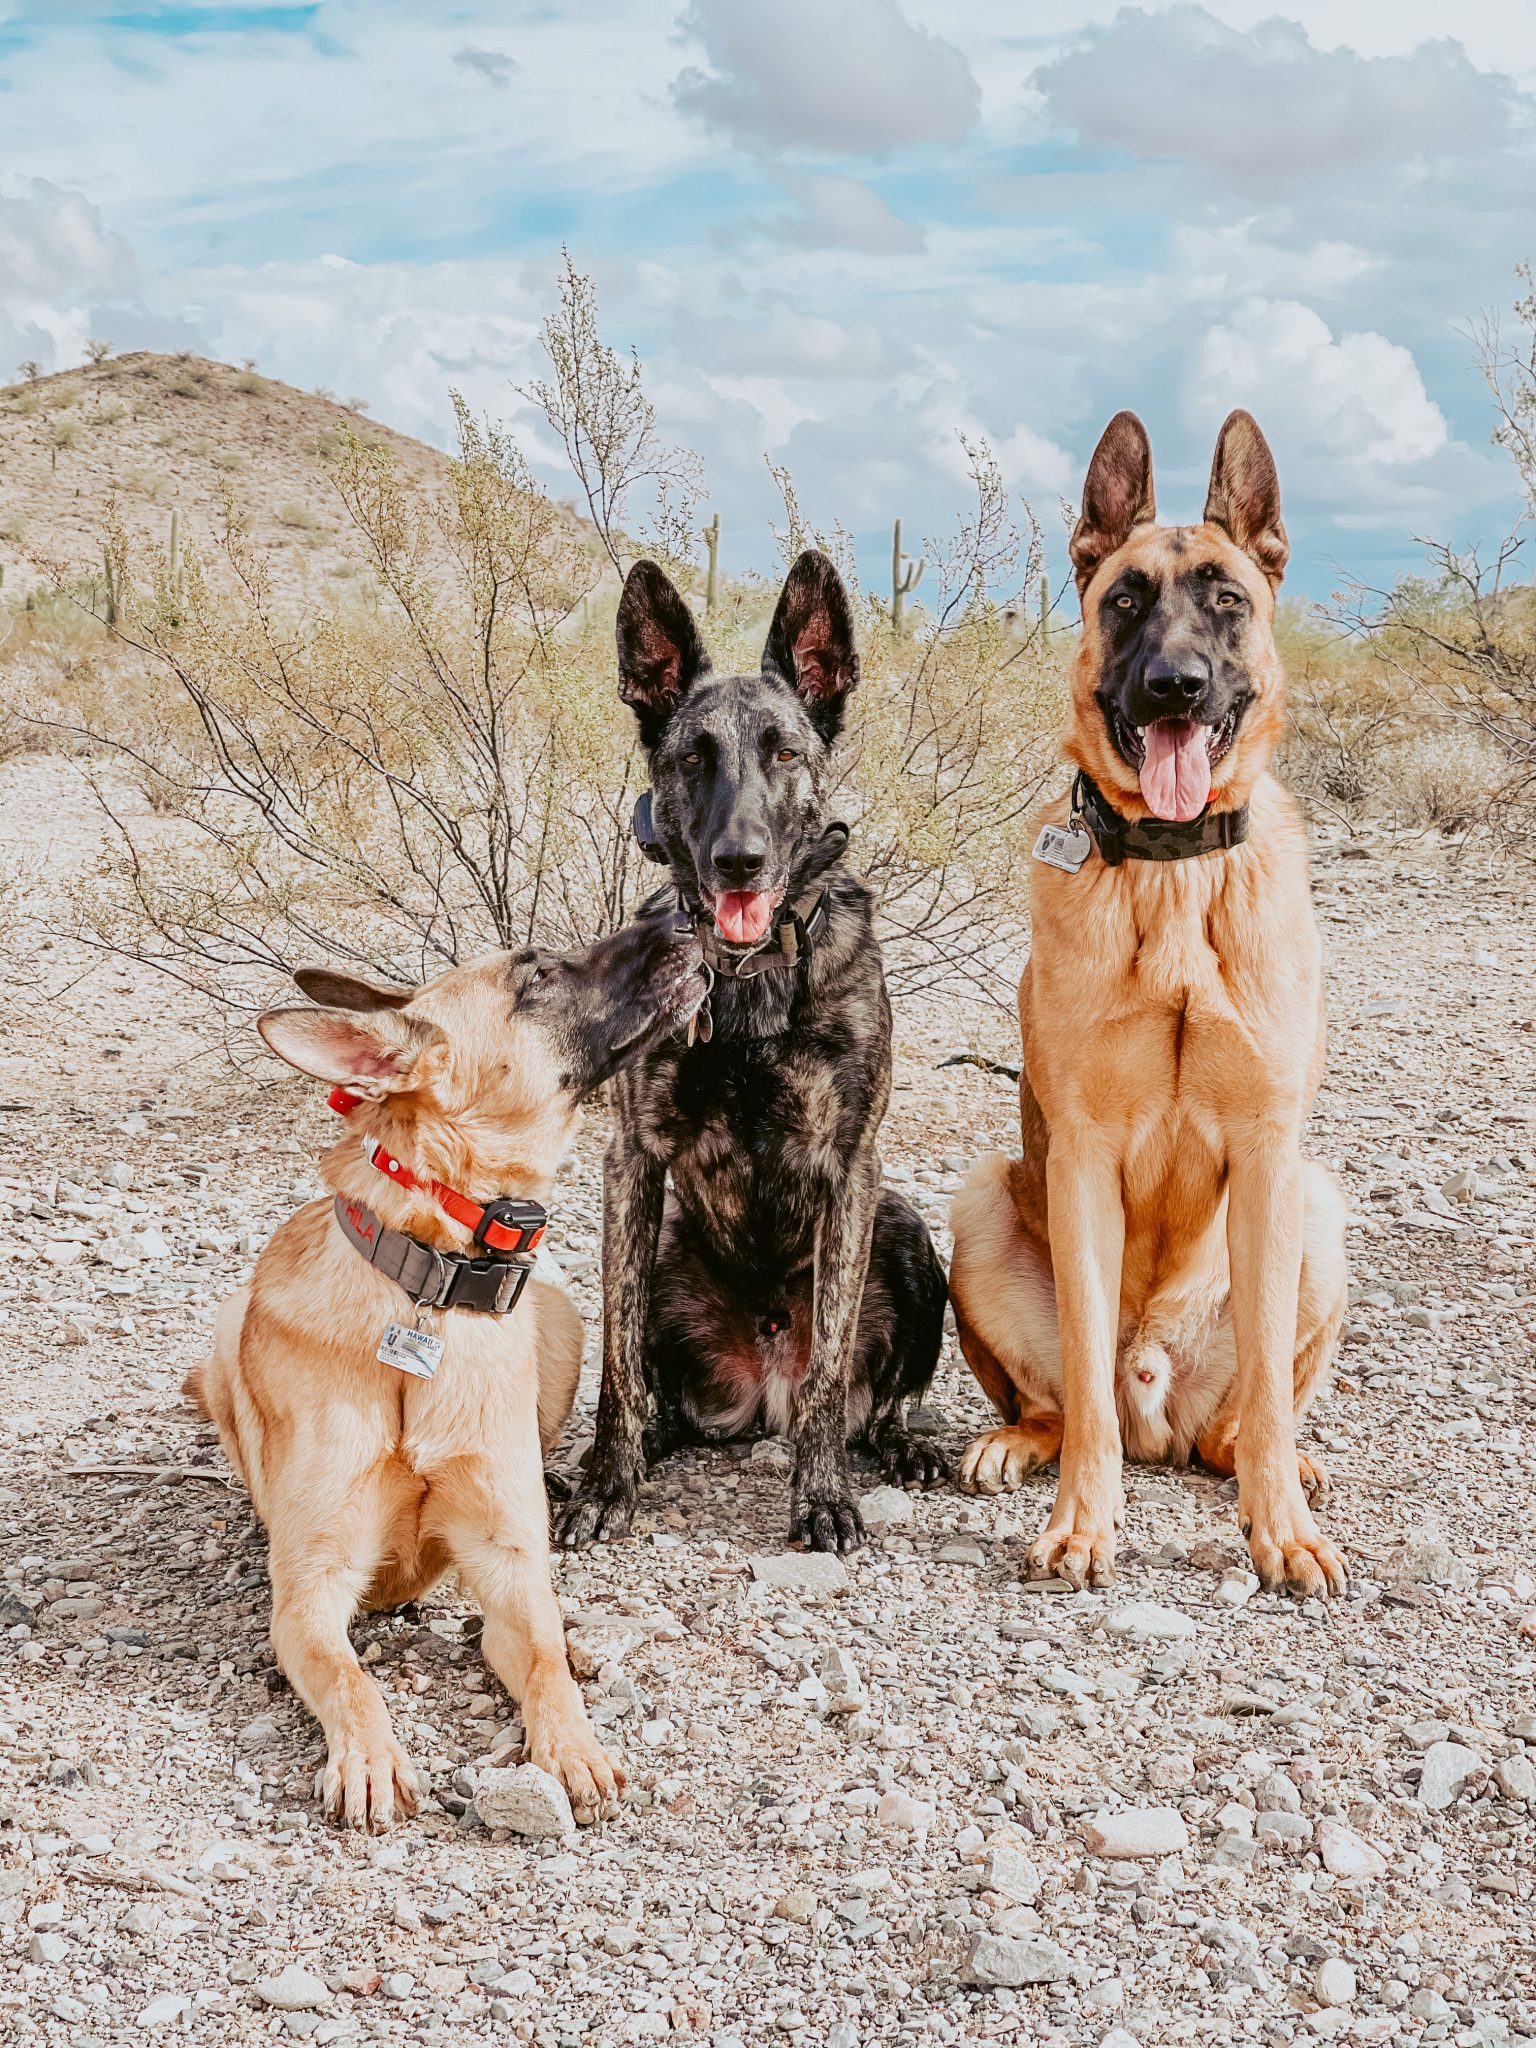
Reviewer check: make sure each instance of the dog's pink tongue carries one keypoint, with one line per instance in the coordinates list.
(741, 915)
(1176, 769)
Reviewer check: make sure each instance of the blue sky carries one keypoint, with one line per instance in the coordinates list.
(839, 236)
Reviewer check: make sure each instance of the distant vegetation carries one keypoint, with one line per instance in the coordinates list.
(420, 754)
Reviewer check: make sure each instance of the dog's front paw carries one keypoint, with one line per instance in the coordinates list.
(368, 1781)
(597, 1514)
(825, 1521)
(903, 1459)
(1289, 1550)
(1077, 1547)
(573, 1754)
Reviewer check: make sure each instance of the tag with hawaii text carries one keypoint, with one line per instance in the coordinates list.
(1066, 850)
(417, 1352)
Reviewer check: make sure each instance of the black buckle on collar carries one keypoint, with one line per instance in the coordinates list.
(431, 1278)
(1120, 839)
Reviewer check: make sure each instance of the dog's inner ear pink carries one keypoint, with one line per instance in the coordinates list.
(1118, 496)
(1244, 496)
(337, 1046)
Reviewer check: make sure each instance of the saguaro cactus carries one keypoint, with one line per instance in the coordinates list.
(902, 581)
(711, 540)
(1045, 603)
(175, 578)
(111, 571)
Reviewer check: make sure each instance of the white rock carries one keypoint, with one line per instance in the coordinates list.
(620, 1939)
(911, 1816)
(1449, 1768)
(839, 1675)
(1010, 1872)
(885, 1507)
(1515, 1777)
(1346, 1854)
(295, 1989)
(1333, 1982)
(1119, 2037)
(48, 1948)
(1143, 1621)
(1013, 1960)
(152, 1244)
(1237, 1588)
(801, 1571)
(1137, 1831)
(589, 1649)
(159, 2012)
(527, 1800)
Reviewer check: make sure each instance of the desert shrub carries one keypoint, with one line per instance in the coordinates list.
(298, 517)
(149, 483)
(1445, 777)
(1464, 634)
(248, 381)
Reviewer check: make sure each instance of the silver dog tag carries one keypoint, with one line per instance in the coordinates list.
(417, 1352)
(1065, 850)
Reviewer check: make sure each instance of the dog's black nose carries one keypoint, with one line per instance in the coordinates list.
(1178, 688)
(739, 860)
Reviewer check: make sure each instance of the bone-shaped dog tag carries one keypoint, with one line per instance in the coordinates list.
(1066, 850)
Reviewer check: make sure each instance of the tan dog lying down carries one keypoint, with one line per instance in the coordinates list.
(371, 1480)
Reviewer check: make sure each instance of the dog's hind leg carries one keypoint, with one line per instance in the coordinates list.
(1004, 1300)
(896, 1351)
(328, 1540)
(560, 1340)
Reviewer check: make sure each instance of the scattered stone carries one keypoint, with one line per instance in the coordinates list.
(161, 2011)
(294, 1990)
(962, 1550)
(910, 1816)
(1143, 1621)
(1009, 1961)
(525, 1799)
(48, 1948)
(600, 1644)
(1137, 1831)
(801, 1572)
(1008, 1871)
(1333, 1982)
(885, 1507)
(1346, 1854)
(1515, 1777)
(1449, 1769)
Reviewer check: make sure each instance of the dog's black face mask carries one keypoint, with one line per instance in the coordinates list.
(608, 1003)
(739, 764)
(1175, 674)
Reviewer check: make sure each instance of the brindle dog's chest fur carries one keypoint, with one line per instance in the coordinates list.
(756, 1124)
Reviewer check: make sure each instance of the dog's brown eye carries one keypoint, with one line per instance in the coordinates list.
(1226, 598)
(690, 760)
(788, 754)
(1124, 603)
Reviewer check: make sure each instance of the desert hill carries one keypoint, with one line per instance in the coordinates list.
(162, 433)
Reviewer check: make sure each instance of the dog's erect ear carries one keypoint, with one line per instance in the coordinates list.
(811, 643)
(661, 656)
(1117, 496)
(372, 1059)
(1244, 498)
(350, 991)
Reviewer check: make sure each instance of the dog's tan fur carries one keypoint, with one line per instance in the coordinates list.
(372, 1483)
(1162, 1269)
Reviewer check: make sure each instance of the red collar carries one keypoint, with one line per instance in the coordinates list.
(504, 1224)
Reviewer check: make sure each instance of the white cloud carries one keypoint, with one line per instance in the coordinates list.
(1355, 399)
(843, 213)
(859, 79)
(1268, 106)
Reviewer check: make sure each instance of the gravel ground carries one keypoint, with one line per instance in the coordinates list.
(914, 1799)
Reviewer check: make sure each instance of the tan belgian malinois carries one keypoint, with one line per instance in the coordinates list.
(1163, 1271)
(388, 1381)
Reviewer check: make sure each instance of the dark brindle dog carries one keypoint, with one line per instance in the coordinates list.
(777, 1286)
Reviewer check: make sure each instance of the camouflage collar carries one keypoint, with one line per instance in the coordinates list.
(1119, 839)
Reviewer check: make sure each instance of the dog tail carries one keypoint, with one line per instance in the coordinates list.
(192, 1387)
